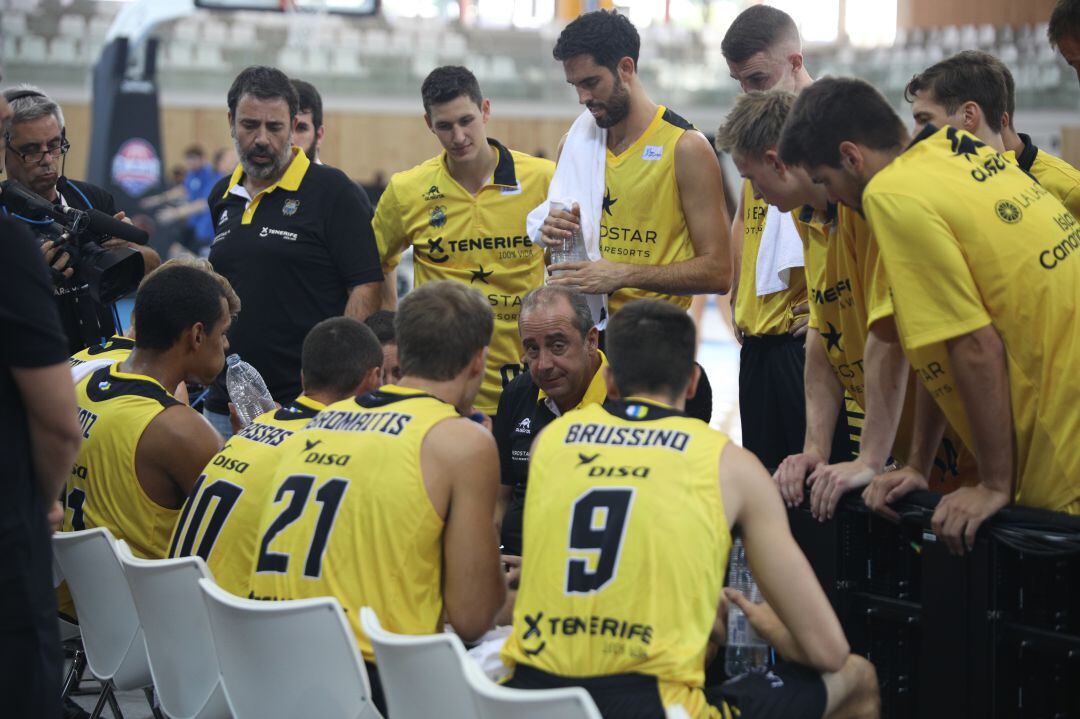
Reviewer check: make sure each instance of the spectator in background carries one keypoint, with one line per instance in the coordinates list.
(294, 239)
(198, 180)
(382, 324)
(41, 439)
(308, 135)
(376, 187)
(224, 161)
(1064, 32)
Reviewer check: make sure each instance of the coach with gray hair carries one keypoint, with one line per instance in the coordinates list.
(36, 145)
(561, 348)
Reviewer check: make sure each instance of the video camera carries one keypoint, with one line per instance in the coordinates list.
(108, 273)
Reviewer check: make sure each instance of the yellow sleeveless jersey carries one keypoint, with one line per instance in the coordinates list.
(612, 490)
(642, 220)
(769, 314)
(115, 348)
(220, 519)
(970, 240)
(348, 514)
(478, 240)
(1053, 173)
(103, 490)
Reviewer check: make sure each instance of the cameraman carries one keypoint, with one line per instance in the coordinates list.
(36, 143)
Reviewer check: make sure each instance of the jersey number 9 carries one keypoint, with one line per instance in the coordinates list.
(597, 526)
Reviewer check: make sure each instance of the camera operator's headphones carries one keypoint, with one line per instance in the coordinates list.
(21, 94)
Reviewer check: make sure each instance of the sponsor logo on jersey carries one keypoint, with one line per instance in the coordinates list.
(481, 275)
(433, 194)
(609, 202)
(220, 236)
(832, 339)
(224, 216)
(438, 248)
(1008, 212)
(290, 207)
(524, 426)
(595, 626)
(284, 234)
(652, 152)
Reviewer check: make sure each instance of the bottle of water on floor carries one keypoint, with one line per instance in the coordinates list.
(247, 390)
(745, 648)
(573, 249)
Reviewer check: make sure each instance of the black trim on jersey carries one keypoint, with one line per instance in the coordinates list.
(618, 407)
(113, 343)
(121, 386)
(806, 214)
(295, 410)
(1026, 157)
(677, 120)
(505, 174)
(378, 398)
(927, 131)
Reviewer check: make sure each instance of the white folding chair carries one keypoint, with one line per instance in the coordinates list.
(112, 637)
(281, 660)
(499, 702)
(422, 675)
(71, 637)
(179, 641)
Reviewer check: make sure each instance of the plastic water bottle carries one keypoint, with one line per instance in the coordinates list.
(573, 249)
(247, 390)
(745, 648)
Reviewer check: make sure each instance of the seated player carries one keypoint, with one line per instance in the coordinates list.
(627, 531)
(143, 450)
(561, 350)
(382, 324)
(387, 500)
(340, 359)
(981, 265)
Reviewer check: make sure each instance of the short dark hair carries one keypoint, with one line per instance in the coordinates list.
(265, 83)
(440, 327)
(173, 299)
(382, 324)
(758, 28)
(1064, 20)
(1010, 84)
(650, 345)
(835, 110)
(605, 35)
(195, 150)
(581, 315)
(308, 100)
(336, 355)
(448, 83)
(968, 76)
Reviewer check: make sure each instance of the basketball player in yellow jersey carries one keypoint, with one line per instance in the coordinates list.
(341, 358)
(463, 213)
(616, 492)
(388, 500)
(142, 450)
(663, 224)
(981, 259)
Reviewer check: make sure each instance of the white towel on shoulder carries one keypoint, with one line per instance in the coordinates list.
(579, 177)
(780, 251)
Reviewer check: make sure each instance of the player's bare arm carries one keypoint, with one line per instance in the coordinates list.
(886, 379)
(173, 451)
(460, 464)
(982, 377)
(364, 300)
(824, 396)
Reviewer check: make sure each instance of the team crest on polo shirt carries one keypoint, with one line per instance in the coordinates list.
(290, 207)
(438, 216)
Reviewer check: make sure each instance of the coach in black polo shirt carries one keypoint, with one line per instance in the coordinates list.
(565, 373)
(294, 238)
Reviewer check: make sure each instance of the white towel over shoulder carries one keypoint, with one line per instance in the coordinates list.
(579, 177)
(780, 251)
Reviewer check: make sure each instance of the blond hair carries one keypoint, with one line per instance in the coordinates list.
(754, 124)
(203, 265)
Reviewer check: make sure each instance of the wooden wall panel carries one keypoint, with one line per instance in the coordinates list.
(935, 13)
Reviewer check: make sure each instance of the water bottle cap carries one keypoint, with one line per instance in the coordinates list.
(232, 359)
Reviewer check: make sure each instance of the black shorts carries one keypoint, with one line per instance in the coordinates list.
(785, 691)
(626, 696)
(772, 401)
